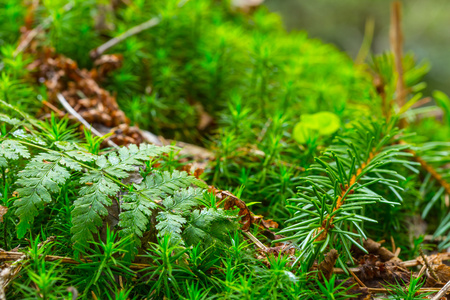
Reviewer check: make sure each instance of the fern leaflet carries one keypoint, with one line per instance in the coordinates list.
(41, 177)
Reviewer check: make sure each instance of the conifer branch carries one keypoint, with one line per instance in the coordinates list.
(327, 223)
(327, 211)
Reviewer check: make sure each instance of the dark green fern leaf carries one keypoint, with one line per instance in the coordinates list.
(91, 206)
(209, 226)
(40, 178)
(127, 158)
(154, 191)
(171, 220)
(10, 149)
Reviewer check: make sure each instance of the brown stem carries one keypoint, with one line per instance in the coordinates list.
(431, 170)
(386, 290)
(430, 269)
(396, 39)
(14, 256)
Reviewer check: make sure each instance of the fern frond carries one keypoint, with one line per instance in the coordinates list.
(8, 120)
(139, 203)
(95, 197)
(90, 207)
(13, 150)
(166, 182)
(76, 152)
(171, 220)
(137, 210)
(21, 134)
(42, 176)
(127, 158)
(208, 226)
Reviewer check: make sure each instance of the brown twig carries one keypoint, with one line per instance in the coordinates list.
(135, 30)
(442, 292)
(9, 272)
(422, 270)
(397, 252)
(255, 241)
(88, 126)
(361, 284)
(30, 36)
(404, 264)
(396, 39)
(16, 256)
(438, 177)
(393, 244)
(38, 29)
(386, 290)
(429, 268)
(54, 108)
(421, 102)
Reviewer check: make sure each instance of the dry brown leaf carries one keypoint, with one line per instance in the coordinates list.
(232, 201)
(443, 272)
(326, 266)
(375, 273)
(3, 211)
(186, 168)
(198, 172)
(204, 119)
(267, 224)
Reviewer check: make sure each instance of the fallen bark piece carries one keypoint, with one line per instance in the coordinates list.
(375, 248)
(326, 266)
(443, 272)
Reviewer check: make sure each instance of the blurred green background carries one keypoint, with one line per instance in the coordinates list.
(426, 28)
